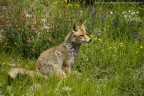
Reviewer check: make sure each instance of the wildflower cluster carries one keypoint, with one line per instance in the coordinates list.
(30, 28)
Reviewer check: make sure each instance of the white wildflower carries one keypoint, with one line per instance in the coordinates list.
(125, 16)
(137, 12)
(45, 27)
(67, 88)
(123, 12)
(27, 15)
(44, 20)
(133, 13)
(111, 12)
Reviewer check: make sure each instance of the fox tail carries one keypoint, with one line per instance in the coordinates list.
(15, 71)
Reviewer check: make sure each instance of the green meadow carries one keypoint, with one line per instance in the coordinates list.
(111, 65)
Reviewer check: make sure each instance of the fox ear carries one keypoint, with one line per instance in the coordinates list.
(75, 27)
(84, 24)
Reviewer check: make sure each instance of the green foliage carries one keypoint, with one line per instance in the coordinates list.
(111, 65)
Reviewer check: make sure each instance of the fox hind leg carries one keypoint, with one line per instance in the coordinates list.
(60, 74)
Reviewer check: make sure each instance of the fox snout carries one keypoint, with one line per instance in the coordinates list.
(86, 39)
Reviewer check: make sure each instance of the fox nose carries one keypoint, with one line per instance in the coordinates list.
(90, 40)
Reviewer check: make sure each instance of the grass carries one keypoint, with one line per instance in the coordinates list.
(111, 65)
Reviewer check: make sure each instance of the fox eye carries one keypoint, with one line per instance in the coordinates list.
(81, 35)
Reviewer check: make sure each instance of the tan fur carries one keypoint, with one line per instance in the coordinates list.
(14, 71)
(59, 59)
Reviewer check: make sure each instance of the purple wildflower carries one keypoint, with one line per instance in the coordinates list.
(23, 18)
(28, 40)
(135, 34)
(68, 19)
(93, 12)
(103, 17)
(34, 28)
(92, 25)
(1, 26)
(52, 26)
(139, 24)
(116, 23)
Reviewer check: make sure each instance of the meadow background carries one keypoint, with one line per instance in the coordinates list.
(111, 65)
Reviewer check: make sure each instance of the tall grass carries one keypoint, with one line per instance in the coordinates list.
(111, 65)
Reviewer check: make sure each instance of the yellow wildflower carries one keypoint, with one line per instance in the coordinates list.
(100, 40)
(32, 37)
(110, 47)
(141, 47)
(121, 44)
(92, 36)
(137, 52)
(65, 1)
(70, 5)
(55, 2)
(94, 39)
(77, 5)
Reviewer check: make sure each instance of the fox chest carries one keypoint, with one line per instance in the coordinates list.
(69, 61)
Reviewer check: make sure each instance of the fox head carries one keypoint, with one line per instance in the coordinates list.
(79, 34)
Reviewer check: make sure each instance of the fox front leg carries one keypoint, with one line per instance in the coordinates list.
(67, 70)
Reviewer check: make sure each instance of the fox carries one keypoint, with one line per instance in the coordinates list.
(57, 60)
